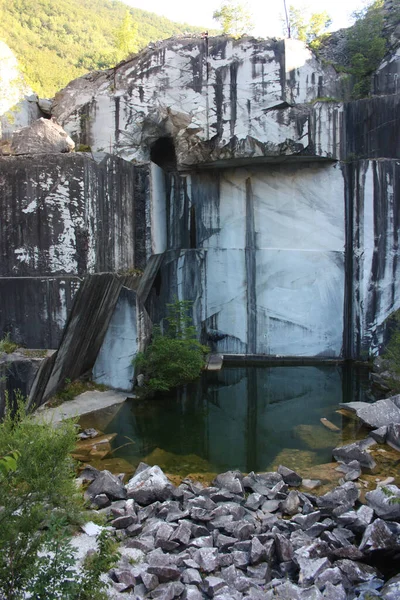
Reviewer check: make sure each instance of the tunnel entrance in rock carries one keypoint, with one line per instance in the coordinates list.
(162, 152)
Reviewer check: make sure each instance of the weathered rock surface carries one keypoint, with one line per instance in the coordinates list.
(376, 414)
(194, 91)
(148, 486)
(385, 501)
(357, 451)
(44, 136)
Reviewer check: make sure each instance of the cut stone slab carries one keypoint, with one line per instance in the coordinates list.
(376, 414)
(83, 404)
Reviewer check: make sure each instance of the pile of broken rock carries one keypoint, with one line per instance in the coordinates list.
(255, 537)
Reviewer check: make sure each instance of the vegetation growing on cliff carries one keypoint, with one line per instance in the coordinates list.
(366, 46)
(174, 357)
(56, 42)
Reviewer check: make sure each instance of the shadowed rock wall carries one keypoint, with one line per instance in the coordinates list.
(375, 197)
(62, 217)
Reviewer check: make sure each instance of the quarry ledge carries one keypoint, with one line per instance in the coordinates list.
(254, 161)
(267, 360)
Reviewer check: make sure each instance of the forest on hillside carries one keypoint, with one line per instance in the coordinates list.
(59, 41)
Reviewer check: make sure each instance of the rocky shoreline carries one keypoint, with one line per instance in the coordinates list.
(259, 536)
(255, 537)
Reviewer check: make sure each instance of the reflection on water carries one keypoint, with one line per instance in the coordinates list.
(247, 417)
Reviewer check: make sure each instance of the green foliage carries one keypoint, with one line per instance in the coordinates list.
(126, 37)
(57, 42)
(392, 498)
(8, 464)
(72, 389)
(305, 26)
(366, 46)
(176, 357)
(54, 576)
(39, 503)
(91, 585)
(392, 350)
(40, 482)
(7, 345)
(234, 18)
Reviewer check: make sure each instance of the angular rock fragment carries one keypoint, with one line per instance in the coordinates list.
(106, 483)
(345, 495)
(149, 485)
(381, 535)
(290, 477)
(385, 501)
(231, 481)
(355, 451)
(375, 414)
(44, 136)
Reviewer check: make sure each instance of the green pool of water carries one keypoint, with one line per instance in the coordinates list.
(246, 418)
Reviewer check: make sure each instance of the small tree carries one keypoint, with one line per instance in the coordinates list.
(126, 37)
(234, 18)
(37, 478)
(366, 46)
(174, 357)
(300, 24)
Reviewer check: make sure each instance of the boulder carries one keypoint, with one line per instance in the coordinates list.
(385, 501)
(393, 436)
(391, 589)
(290, 477)
(44, 136)
(106, 483)
(381, 535)
(376, 414)
(356, 451)
(149, 485)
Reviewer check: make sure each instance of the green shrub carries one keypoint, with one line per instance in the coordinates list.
(174, 357)
(7, 345)
(39, 506)
(366, 46)
(39, 483)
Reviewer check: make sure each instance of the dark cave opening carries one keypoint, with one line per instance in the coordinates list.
(162, 152)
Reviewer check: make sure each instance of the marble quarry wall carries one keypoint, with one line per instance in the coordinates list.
(260, 252)
(62, 217)
(238, 175)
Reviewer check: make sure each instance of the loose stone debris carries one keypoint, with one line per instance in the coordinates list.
(255, 537)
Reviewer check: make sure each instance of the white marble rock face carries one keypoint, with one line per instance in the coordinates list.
(221, 100)
(272, 272)
(113, 366)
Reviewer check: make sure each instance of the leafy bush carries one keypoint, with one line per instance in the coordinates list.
(39, 503)
(7, 345)
(366, 46)
(175, 357)
(40, 481)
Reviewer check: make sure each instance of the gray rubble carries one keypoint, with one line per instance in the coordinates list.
(224, 542)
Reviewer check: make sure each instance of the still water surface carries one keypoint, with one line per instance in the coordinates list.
(245, 417)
